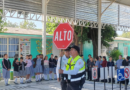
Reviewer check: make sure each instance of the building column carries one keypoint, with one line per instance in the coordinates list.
(44, 13)
(99, 26)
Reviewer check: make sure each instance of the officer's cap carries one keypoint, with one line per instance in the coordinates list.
(76, 48)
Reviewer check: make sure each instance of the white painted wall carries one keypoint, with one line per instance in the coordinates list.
(55, 51)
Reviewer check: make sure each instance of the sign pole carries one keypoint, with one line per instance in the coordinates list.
(104, 79)
(126, 84)
(112, 76)
(94, 84)
(120, 85)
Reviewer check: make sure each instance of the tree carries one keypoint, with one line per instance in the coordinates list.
(114, 54)
(125, 35)
(50, 27)
(27, 25)
(2, 24)
(80, 36)
(107, 35)
(10, 24)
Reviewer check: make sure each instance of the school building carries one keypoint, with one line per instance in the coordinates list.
(17, 41)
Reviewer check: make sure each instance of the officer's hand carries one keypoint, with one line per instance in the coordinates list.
(58, 79)
(60, 71)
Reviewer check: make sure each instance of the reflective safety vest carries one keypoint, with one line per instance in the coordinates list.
(70, 66)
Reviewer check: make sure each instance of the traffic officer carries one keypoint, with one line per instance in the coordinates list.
(75, 69)
(65, 56)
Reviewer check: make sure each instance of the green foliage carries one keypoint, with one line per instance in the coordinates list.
(2, 24)
(27, 25)
(108, 35)
(114, 54)
(82, 37)
(50, 27)
(10, 24)
(125, 35)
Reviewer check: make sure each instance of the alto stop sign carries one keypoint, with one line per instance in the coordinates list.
(63, 36)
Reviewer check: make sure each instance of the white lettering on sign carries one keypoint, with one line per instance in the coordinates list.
(60, 39)
(69, 36)
(65, 34)
(58, 35)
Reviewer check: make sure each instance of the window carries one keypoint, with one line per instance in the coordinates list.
(13, 47)
(3, 47)
(125, 52)
(9, 46)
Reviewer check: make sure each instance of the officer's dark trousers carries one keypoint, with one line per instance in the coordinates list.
(76, 85)
(63, 85)
(88, 73)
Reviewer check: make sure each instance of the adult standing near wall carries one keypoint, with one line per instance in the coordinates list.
(88, 60)
(63, 79)
(119, 62)
(110, 63)
(75, 69)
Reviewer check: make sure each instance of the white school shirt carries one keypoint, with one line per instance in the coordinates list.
(63, 64)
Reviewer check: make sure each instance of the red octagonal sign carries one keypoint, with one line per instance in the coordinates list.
(63, 36)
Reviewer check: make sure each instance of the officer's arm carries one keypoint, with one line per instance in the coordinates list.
(58, 67)
(79, 64)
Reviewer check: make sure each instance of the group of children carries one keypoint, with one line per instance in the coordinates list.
(40, 67)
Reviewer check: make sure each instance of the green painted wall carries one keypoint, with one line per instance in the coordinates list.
(36, 47)
(87, 49)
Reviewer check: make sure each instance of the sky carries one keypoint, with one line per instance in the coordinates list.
(38, 23)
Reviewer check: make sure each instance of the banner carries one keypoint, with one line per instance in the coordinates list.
(110, 72)
(94, 73)
(102, 73)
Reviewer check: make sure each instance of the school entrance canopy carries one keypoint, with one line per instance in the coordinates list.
(97, 13)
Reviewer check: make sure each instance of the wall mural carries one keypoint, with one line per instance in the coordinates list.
(48, 46)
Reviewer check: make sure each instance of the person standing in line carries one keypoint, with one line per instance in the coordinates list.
(97, 64)
(91, 65)
(89, 56)
(110, 64)
(51, 66)
(119, 62)
(31, 68)
(22, 72)
(104, 64)
(38, 68)
(125, 62)
(75, 69)
(46, 68)
(55, 65)
(64, 55)
(28, 68)
(6, 66)
(16, 65)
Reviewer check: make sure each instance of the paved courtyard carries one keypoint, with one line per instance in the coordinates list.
(54, 85)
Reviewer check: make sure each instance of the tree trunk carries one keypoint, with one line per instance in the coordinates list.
(75, 39)
(94, 35)
(81, 48)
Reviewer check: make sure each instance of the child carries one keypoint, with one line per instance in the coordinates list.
(46, 68)
(51, 66)
(6, 65)
(38, 68)
(28, 68)
(16, 65)
(32, 69)
(22, 72)
(55, 65)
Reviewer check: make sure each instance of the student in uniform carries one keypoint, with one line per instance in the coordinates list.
(28, 68)
(22, 72)
(55, 65)
(16, 65)
(6, 66)
(32, 69)
(38, 68)
(51, 66)
(46, 68)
